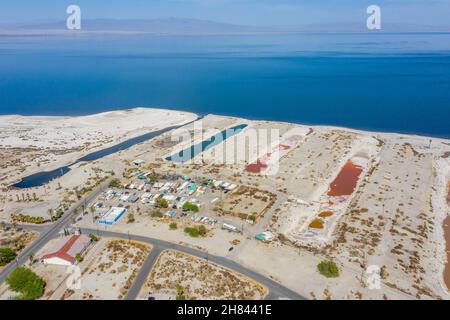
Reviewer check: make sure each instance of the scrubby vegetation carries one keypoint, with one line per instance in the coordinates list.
(25, 282)
(328, 269)
(156, 214)
(185, 277)
(195, 232)
(173, 226)
(58, 214)
(19, 217)
(93, 237)
(6, 256)
(161, 203)
(115, 183)
(190, 207)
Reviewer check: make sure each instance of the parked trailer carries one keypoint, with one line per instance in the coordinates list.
(229, 227)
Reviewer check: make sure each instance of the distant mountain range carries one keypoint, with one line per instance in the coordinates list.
(196, 26)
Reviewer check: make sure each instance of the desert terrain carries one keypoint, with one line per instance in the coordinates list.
(361, 199)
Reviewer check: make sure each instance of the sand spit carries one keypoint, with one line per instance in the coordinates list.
(41, 143)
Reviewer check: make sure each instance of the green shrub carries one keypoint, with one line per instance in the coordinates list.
(161, 203)
(187, 206)
(6, 256)
(93, 237)
(27, 218)
(58, 214)
(25, 282)
(79, 257)
(156, 214)
(115, 183)
(193, 232)
(328, 269)
(173, 226)
(251, 217)
(202, 230)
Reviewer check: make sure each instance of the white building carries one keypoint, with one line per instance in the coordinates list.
(112, 216)
(64, 252)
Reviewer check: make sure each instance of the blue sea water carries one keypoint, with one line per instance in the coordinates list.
(380, 82)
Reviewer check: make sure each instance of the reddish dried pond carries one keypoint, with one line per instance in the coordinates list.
(262, 162)
(346, 181)
(256, 167)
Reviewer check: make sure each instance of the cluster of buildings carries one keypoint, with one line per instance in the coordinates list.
(147, 188)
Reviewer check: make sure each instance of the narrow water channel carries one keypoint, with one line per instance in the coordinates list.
(41, 178)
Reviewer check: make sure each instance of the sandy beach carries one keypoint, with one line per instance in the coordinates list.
(32, 144)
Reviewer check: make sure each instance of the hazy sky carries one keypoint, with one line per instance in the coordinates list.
(250, 12)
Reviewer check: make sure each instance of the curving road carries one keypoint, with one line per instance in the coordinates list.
(276, 290)
(49, 232)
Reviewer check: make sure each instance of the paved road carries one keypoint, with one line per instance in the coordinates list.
(277, 291)
(143, 273)
(49, 232)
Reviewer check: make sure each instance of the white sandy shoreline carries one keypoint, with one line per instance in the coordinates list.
(384, 134)
(80, 135)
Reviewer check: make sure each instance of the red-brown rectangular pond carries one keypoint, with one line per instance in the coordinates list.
(347, 179)
(276, 154)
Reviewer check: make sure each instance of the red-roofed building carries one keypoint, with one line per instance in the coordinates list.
(66, 249)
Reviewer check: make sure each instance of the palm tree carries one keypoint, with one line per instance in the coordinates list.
(31, 258)
(50, 213)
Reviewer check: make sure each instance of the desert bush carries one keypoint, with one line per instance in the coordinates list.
(161, 203)
(328, 269)
(156, 214)
(173, 226)
(27, 218)
(25, 282)
(115, 183)
(190, 207)
(6, 256)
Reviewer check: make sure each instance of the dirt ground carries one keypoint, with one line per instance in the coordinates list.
(16, 240)
(111, 272)
(247, 201)
(177, 273)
